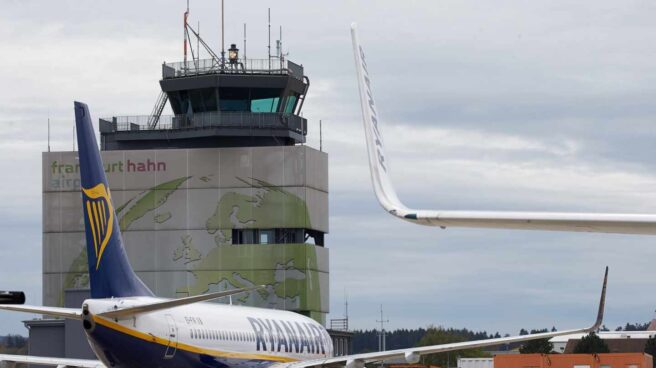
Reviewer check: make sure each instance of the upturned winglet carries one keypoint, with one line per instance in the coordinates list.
(379, 166)
(602, 305)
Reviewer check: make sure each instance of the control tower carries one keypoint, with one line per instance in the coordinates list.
(221, 194)
(234, 102)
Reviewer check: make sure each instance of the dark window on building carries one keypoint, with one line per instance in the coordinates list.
(290, 236)
(234, 99)
(277, 236)
(210, 99)
(174, 100)
(203, 100)
(233, 105)
(315, 236)
(244, 236)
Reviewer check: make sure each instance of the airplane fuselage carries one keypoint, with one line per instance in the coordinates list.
(202, 335)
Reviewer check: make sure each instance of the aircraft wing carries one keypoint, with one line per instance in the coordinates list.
(386, 194)
(70, 313)
(130, 311)
(55, 362)
(74, 313)
(413, 355)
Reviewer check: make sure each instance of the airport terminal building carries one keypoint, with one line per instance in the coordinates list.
(222, 194)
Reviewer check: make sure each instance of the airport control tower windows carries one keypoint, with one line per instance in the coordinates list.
(290, 104)
(264, 100)
(233, 99)
(265, 105)
(194, 101)
(233, 105)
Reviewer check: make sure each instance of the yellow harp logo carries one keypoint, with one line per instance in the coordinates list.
(99, 210)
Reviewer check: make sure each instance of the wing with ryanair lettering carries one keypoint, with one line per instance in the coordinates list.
(384, 189)
(413, 355)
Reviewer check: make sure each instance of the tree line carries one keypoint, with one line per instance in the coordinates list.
(13, 344)
(367, 340)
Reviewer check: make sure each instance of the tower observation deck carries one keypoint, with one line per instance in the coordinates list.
(218, 103)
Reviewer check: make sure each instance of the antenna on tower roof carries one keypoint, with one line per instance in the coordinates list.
(280, 51)
(346, 306)
(244, 43)
(198, 43)
(280, 43)
(222, 35)
(269, 46)
(186, 34)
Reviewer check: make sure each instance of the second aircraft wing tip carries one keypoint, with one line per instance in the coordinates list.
(602, 304)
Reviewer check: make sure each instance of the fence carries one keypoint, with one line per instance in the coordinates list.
(248, 66)
(213, 119)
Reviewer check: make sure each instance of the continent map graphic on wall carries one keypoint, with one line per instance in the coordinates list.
(178, 236)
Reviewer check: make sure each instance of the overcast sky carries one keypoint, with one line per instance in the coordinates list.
(540, 105)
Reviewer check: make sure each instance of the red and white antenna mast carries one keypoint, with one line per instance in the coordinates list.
(186, 15)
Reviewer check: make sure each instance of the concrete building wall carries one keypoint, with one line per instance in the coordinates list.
(46, 339)
(51, 332)
(76, 340)
(177, 209)
(63, 338)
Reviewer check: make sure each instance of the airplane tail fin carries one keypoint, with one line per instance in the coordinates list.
(109, 269)
(378, 162)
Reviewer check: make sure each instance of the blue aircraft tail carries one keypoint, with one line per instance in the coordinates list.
(109, 269)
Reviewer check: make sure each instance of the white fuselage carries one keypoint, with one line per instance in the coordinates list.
(230, 335)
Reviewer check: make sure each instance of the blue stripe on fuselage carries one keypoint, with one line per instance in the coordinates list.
(130, 352)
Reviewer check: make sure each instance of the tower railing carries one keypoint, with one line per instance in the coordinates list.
(249, 66)
(213, 119)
